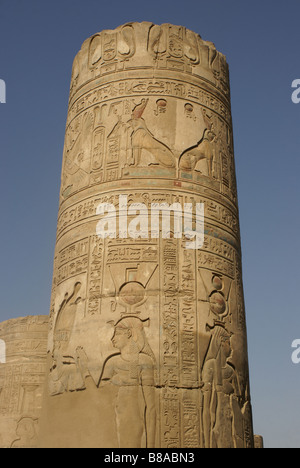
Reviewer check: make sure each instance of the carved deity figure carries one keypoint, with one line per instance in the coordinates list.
(200, 158)
(141, 138)
(78, 156)
(26, 433)
(132, 371)
(222, 413)
(66, 373)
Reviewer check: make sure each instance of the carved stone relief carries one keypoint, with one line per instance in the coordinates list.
(124, 147)
(77, 155)
(138, 45)
(147, 338)
(132, 370)
(22, 377)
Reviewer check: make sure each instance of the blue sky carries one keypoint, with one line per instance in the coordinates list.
(39, 40)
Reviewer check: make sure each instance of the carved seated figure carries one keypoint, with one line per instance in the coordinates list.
(142, 139)
(200, 158)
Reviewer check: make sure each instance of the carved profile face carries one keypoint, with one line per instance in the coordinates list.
(226, 347)
(129, 333)
(121, 337)
(25, 428)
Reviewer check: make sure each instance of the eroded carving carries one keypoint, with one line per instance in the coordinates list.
(66, 368)
(111, 45)
(77, 158)
(26, 432)
(22, 377)
(223, 404)
(174, 42)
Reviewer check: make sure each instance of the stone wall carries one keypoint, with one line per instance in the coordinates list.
(22, 374)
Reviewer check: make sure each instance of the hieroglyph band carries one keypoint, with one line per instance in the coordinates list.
(138, 227)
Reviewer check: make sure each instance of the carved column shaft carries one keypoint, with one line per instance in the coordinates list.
(147, 343)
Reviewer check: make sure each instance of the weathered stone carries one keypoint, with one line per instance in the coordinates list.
(22, 374)
(147, 342)
(258, 442)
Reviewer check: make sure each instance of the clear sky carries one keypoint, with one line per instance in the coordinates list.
(38, 41)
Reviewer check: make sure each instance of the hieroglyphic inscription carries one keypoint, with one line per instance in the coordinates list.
(218, 246)
(214, 211)
(76, 213)
(73, 260)
(95, 276)
(170, 359)
(171, 418)
(128, 88)
(98, 148)
(190, 419)
(22, 376)
(215, 263)
(240, 304)
(188, 348)
(188, 320)
(21, 383)
(136, 253)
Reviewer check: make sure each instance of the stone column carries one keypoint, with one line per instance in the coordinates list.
(147, 343)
